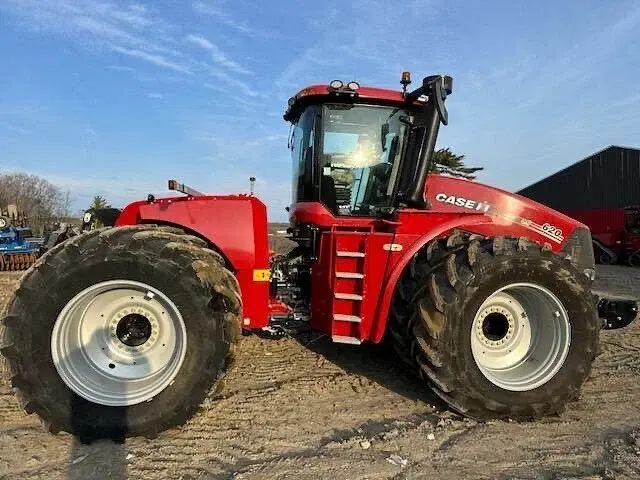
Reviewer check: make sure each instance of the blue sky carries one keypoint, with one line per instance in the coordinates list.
(115, 97)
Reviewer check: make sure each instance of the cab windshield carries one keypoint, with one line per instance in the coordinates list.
(632, 220)
(360, 149)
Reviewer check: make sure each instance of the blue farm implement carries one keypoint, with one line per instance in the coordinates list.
(16, 253)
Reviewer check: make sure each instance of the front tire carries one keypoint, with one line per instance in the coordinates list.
(499, 328)
(122, 332)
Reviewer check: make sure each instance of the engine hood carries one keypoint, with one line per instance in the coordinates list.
(503, 208)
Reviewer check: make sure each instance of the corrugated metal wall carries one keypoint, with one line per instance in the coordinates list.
(607, 179)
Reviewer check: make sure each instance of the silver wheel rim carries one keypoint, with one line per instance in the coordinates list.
(96, 343)
(520, 337)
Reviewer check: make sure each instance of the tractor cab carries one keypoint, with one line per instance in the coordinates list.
(359, 155)
(361, 152)
(631, 238)
(353, 160)
(632, 220)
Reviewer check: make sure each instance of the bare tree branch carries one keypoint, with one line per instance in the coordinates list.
(35, 197)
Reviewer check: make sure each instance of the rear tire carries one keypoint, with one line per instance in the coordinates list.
(447, 283)
(57, 356)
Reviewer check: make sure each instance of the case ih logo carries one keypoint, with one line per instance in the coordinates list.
(463, 202)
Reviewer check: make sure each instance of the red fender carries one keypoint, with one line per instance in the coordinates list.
(380, 319)
(235, 225)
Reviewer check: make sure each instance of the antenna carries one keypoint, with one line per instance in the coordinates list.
(252, 181)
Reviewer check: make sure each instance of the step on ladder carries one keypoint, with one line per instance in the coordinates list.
(349, 289)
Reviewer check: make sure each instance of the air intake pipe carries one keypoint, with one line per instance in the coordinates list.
(436, 88)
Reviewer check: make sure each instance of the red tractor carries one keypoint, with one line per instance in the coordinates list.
(127, 329)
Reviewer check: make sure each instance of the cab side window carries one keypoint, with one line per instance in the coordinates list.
(302, 149)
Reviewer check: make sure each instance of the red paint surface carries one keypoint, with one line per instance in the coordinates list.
(278, 308)
(364, 93)
(507, 214)
(235, 225)
(607, 226)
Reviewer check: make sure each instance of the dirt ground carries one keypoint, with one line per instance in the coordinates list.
(303, 408)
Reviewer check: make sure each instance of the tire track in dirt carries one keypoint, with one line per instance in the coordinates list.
(283, 407)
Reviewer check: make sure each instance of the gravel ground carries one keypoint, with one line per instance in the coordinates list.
(306, 409)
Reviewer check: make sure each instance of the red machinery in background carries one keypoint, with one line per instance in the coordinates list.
(602, 191)
(615, 233)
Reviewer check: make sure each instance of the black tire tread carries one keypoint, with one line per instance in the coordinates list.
(148, 241)
(423, 337)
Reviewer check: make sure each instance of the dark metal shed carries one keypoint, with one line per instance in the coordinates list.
(608, 179)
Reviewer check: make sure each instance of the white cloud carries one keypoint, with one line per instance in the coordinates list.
(12, 128)
(135, 32)
(215, 88)
(359, 40)
(158, 60)
(233, 82)
(201, 42)
(121, 68)
(541, 78)
(104, 26)
(223, 17)
(89, 132)
(217, 55)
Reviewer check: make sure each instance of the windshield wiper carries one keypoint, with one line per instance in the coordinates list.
(393, 112)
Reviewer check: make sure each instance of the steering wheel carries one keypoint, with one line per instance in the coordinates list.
(381, 171)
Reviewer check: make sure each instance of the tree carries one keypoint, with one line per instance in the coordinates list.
(98, 203)
(447, 162)
(64, 208)
(34, 197)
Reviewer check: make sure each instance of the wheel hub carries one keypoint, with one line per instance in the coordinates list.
(496, 325)
(133, 329)
(520, 337)
(119, 343)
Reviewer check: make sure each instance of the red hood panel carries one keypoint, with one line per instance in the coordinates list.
(455, 195)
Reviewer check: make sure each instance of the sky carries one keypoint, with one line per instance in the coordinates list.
(113, 98)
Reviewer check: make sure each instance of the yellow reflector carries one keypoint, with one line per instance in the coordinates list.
(261, 275)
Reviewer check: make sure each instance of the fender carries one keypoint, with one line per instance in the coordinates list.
(576, 245)
(380, 319)
(234, 225)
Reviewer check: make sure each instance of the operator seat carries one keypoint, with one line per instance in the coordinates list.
(328, 193)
